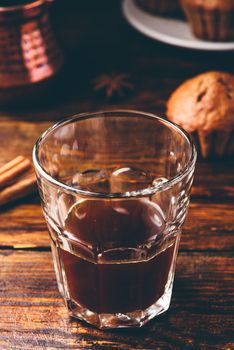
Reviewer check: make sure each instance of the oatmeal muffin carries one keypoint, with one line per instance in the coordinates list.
(211, 20)
(204, 107)
(162, 7)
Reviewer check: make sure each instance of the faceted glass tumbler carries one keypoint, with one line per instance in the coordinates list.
(115, 188)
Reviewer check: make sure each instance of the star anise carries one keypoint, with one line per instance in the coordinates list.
(113, 84)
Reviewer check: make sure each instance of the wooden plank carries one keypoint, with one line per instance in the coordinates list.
(19, 138)
(209, 227)
(214, 181)
(33, 315)
(23, 226)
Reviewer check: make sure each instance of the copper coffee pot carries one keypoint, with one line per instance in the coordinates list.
(29, 53)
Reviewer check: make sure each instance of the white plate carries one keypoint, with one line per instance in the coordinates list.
(171, 31)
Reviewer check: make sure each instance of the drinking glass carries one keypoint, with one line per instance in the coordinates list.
(115, 188)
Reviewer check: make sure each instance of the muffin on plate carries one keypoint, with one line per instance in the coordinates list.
(204, 107)
(211, 20)
(161, 7)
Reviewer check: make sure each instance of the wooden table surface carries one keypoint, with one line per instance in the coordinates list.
(97, 40)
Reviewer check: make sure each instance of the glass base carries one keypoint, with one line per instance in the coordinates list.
(120, 320)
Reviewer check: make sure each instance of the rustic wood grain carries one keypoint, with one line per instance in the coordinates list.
(33, 315)
(19, 138)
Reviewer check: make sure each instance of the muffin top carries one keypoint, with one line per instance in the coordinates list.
(222, 4)
(204, 103)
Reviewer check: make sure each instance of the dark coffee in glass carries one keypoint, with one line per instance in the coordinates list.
(115, 191)
(125, 275)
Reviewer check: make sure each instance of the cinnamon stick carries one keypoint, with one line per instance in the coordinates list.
(10, 171)
(18, 190)
(11, 164)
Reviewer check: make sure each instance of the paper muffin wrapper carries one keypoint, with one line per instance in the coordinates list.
(214, 144)
(210, 24)
(158, 6)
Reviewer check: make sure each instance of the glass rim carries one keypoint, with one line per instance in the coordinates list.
(137, 193)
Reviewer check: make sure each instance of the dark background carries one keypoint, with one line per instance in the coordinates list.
(96, 39)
